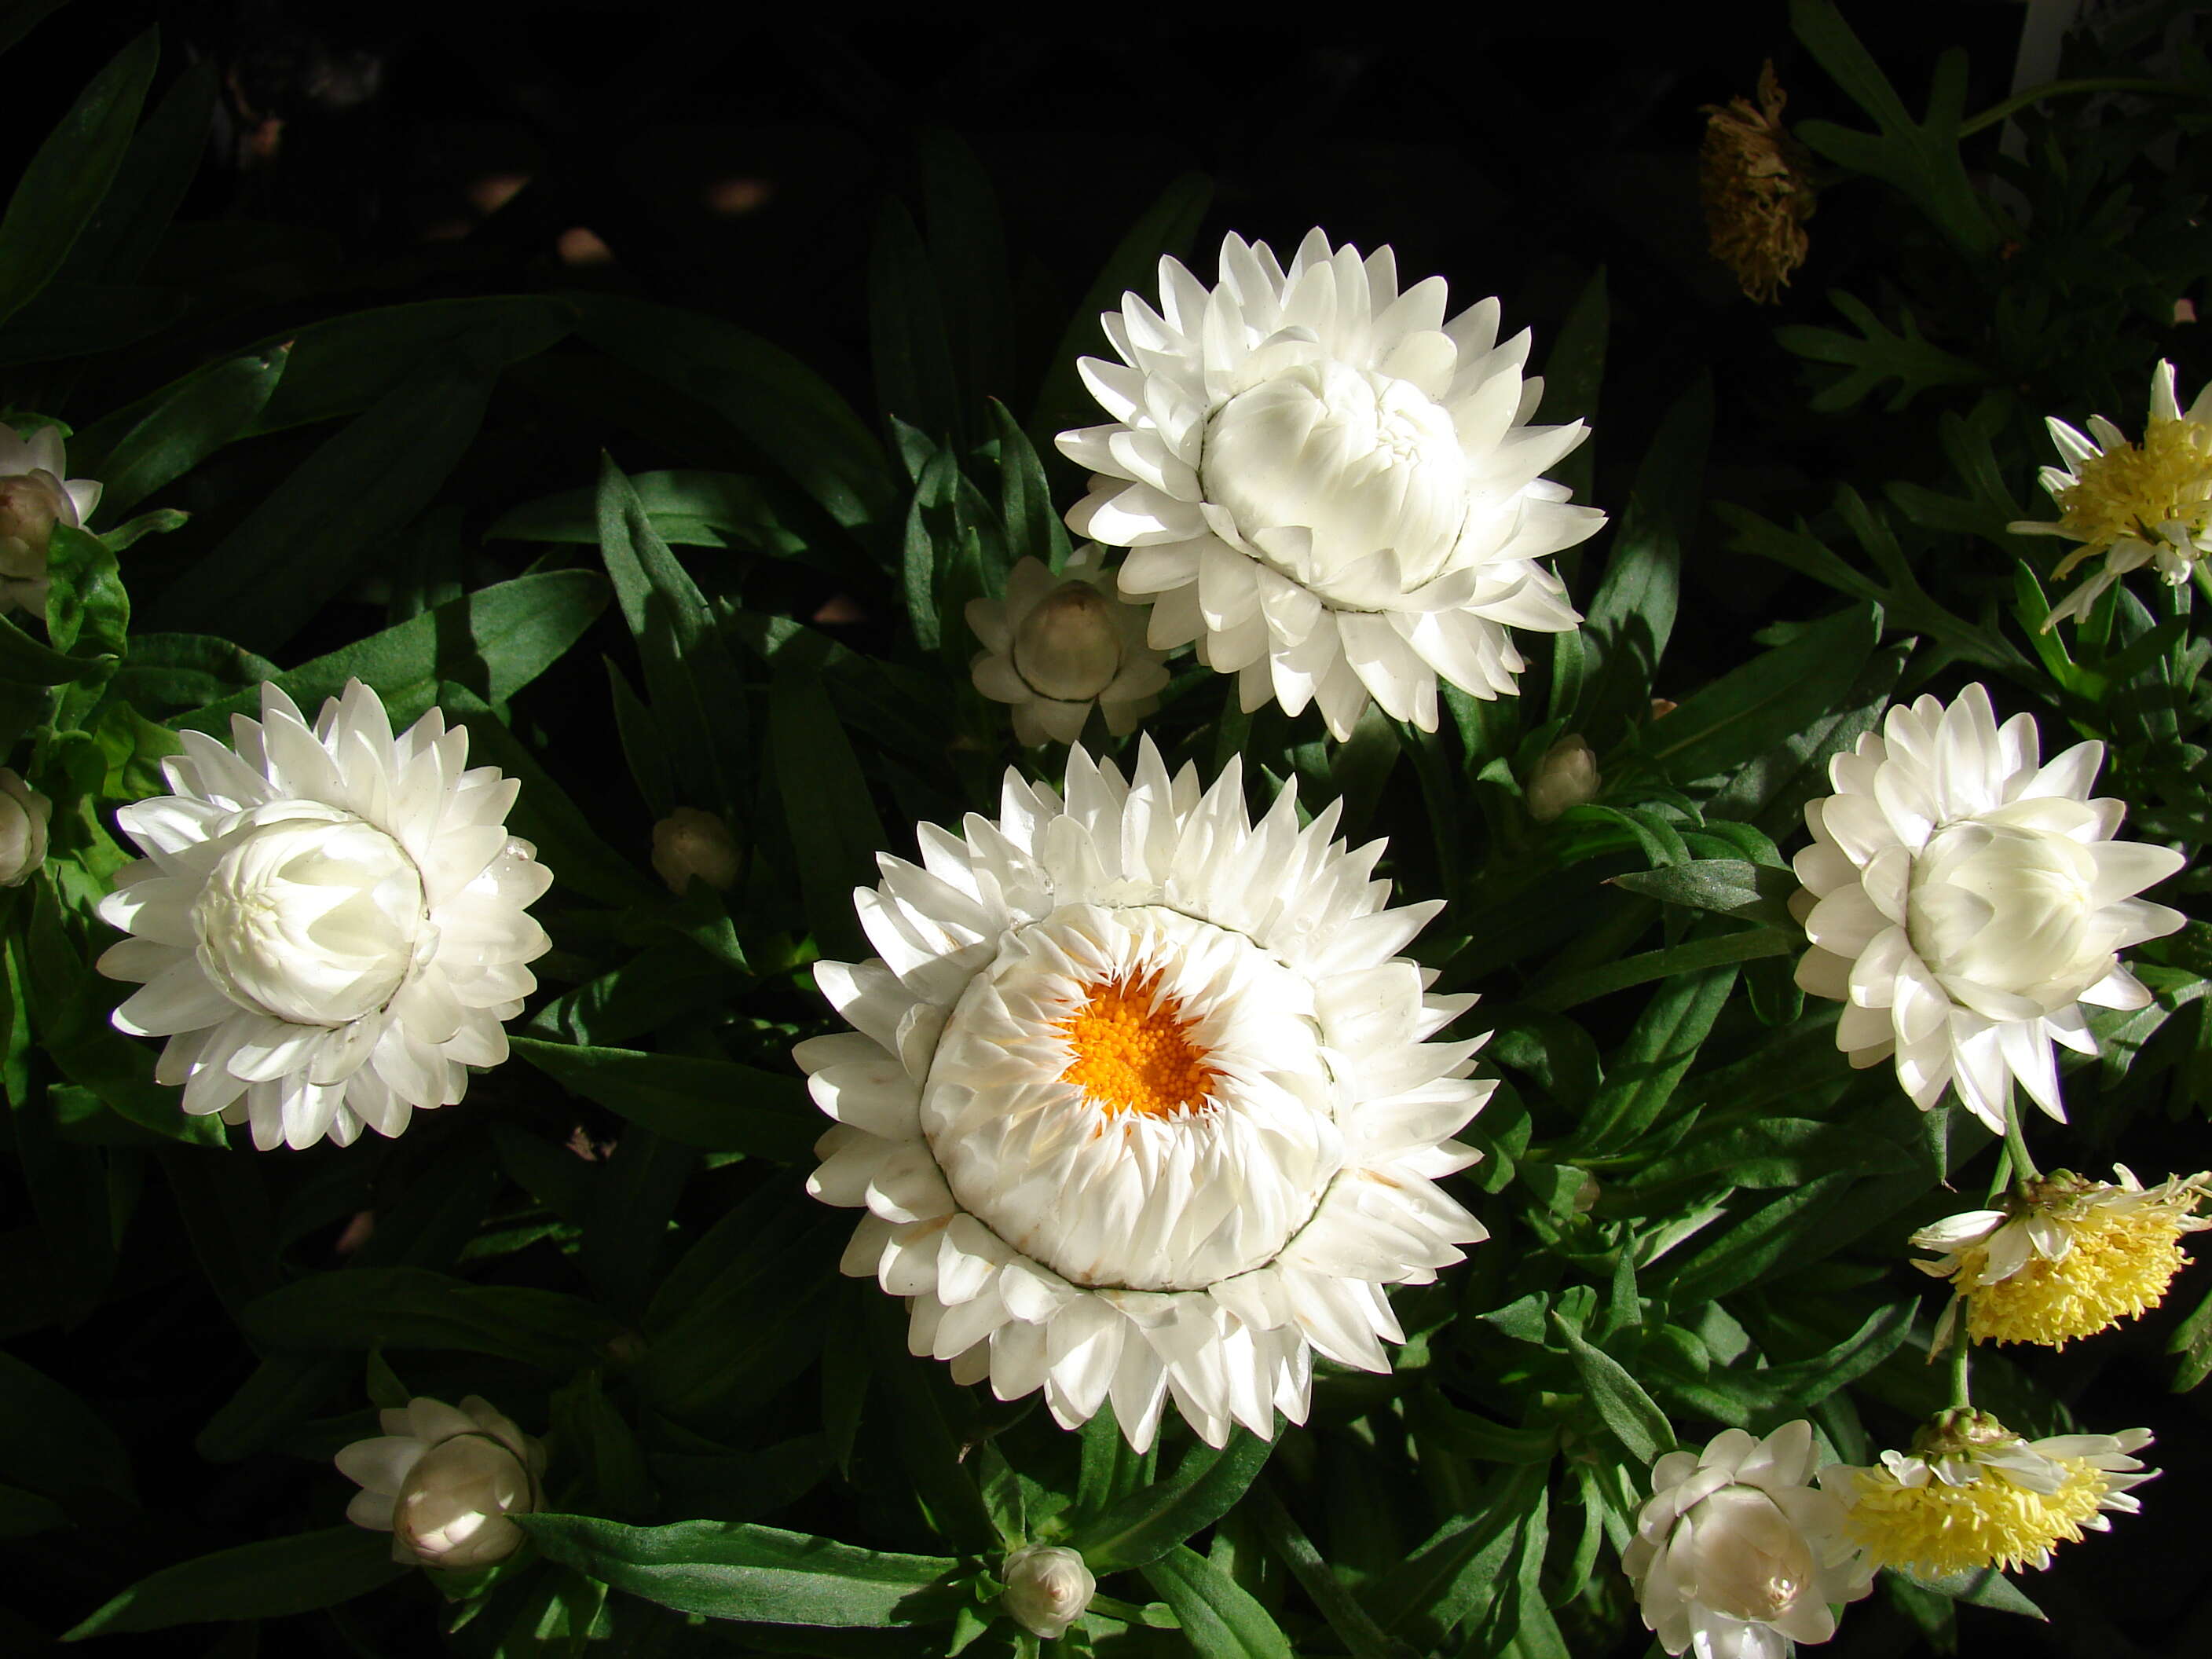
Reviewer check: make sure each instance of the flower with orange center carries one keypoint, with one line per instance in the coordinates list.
(1139, 1103)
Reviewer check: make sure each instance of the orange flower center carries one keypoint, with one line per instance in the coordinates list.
(1132, 1048)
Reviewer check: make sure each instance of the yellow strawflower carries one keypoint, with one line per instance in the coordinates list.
(2066, 1257)
(1972, 1494)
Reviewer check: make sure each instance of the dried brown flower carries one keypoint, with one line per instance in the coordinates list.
(1757, 197)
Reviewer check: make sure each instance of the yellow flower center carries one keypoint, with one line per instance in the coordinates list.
(1937, 1529)
(2120, 1264)
(2132, 490)
(1133, 1051)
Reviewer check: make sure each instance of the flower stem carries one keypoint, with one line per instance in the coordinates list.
(2002, 1177)
(1962, 1395)
(2020, 101)
(2023, 1166)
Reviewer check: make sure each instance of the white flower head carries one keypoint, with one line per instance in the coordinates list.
(444, 1482)
(24, 813)
(1737, 1552)
(2136, 504)
(1972, 1494)
(34, 497)
(1331, 489)
(1048, 1588)
(1140, 1104)
(329, 923)
(1056, 645)
(1963, 899)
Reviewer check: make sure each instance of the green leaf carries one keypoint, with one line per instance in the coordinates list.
(301, 546)
(390, 1308)
(85, 321)
(1640, 1426)
(1455, 1575)
(27, 662)
(1632, 615)
(1758, 1244)
(1351, 1623)
(713, 1105)
(686, 509)
(912, 348)
(87, 612)
(66, 181)
(1656, 1054)
(776, 401)
(1574, 372)
(52, 1442)
(19, 20)
(762, 1574)
(1731, 887)
(1750, 710)
(1777, 1151)
(494, 641)
(1218, 1617)
(1145, 1524)
(697, 698)
(1165, 230)
(968, 251)
(151, 184)
(1983, 1588)
(1570, 990)
(268, 1580)
(835, 832)
(1743, 1394)
(1878, 354)
(1033, 525)
(198, 417)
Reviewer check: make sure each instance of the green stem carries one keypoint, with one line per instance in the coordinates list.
(2016, 1145)
(1962, 1395)
(2020, 101)
(2002, 1178)
(2202, 574)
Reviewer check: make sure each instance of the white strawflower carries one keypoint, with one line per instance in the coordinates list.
(1138, 1104)
(2066, 1257)
(1738, 1552)
(1054, 645)
(1962, 899)
(444, 1483)
(1047, 1588)
(34, 497)
(329, 923)
(690, 842)
(1566, 776)
(2136, 504)
(1971, 1494)
(1330, 488)
(24, 813)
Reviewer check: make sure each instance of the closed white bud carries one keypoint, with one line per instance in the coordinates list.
(446, 1482)
(1056, 645)
(23, 815)
(1566, 776)
(34, 498)
(690, 842)
(1069, 648)
(1048, 1588)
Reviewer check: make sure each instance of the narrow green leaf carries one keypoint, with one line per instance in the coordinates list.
(52, 1442)
(398, 1307)
(1145, 1524)
(686, 509)
(66, 181)
(835, 831)
(201, 415)
(1983, 1588)
(713, 1105)
(1571, 990)
(494, 641)
(150, 185)
(27, 661)
(1640, 1426)
(761, 1574)
(1218, 1615)
(268, 1580)
(1732, 887)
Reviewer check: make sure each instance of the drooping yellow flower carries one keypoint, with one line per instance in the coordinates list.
(2067, 1257)
(1972, 1494)
(2136, 504)
(1757, 198)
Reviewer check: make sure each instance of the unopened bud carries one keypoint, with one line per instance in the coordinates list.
(23, 815)
(689, 842)
(446, 1482)
(1048, 1588)
(1069, 648)
(1566, 776)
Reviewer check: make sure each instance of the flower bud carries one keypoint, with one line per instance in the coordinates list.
(690, 842)
(1069, 648)
(445, 1483)
(23, 815)
(35, 498)
(1566, 776)
(1047, 1589)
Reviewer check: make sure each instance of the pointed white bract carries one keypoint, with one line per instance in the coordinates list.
(329, 924)
(1737, 1552)
(446, 1482)
(2133, 504)
(1328, 487)
(1138, 1103)
(1963, 899)
(1055, 647)
(34, 497)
